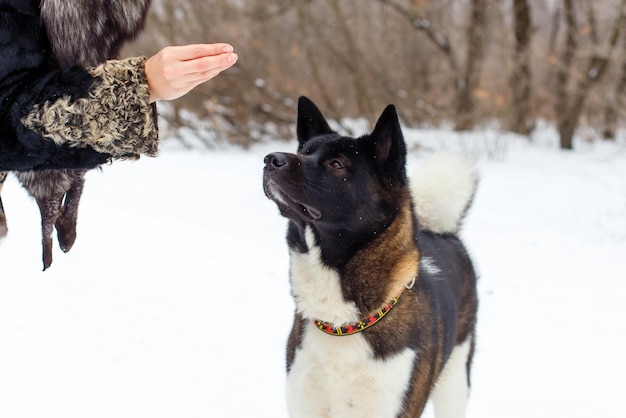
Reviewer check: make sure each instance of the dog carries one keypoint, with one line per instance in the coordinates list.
(384, 289)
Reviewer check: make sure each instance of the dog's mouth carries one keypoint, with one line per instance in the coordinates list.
(281, 198)
(312, 212)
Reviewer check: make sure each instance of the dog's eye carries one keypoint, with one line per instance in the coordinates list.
(336, 164)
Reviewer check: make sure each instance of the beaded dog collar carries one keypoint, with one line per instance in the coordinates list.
(356, 327)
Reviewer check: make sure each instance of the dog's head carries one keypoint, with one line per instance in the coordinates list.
(345, 188)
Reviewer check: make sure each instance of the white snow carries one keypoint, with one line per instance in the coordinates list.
(174, 301)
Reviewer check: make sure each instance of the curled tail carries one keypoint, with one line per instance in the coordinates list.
(443, 187)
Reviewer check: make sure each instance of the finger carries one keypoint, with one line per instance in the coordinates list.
(200, 78)
(207, 64)
(192, 84)
(195, 51)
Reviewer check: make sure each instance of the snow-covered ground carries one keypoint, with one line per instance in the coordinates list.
(174, 301)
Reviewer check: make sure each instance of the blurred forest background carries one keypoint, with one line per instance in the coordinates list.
(464, 64)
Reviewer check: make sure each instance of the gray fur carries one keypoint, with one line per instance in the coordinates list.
(57, 193)
(89, 31)
(3, 219)
(108, 119)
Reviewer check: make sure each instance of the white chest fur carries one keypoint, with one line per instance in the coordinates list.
(338, 377)
(316, 287)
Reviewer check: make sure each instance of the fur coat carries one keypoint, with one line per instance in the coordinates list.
(62, 105)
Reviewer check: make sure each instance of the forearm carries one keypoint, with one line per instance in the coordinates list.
(115, 117)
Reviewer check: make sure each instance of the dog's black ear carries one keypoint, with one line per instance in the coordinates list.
(388, 144)
(310, 122)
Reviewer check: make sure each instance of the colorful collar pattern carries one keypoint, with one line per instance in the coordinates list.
(356, 327)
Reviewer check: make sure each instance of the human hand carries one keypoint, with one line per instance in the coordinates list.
(175, 70)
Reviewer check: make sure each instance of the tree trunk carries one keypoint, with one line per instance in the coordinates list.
(615, 103)
(521, 79)
(313, 63)
(570, 107)
(353, 63)
(564, 123)
(477, 36)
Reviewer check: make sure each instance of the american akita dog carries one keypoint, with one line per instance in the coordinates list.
(385, 291)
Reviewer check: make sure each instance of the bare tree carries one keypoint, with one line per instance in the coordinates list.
(466, 80)
(569, 103)
(352, 61)
(438, 39)
(521, 120)
(475, 53)
(615, 99)
(455, 62)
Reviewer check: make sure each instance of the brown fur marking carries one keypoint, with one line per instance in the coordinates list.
(415, 321)
(393, 255)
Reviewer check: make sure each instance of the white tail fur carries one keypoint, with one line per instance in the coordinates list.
(443, 187)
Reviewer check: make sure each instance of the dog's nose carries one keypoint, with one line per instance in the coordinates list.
(275, 160)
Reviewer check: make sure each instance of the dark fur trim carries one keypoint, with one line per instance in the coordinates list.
(57, 193)
(116, 118)
(3, 224)
(3, 219)
(87, 32)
